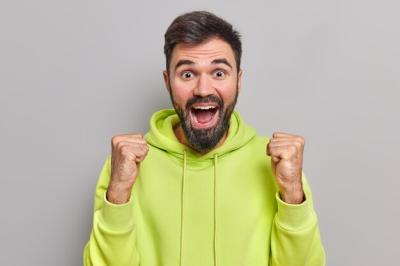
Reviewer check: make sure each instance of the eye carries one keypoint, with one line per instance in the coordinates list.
(187, 75)
(219, 73)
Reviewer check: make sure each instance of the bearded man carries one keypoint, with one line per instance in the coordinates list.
(202, 187)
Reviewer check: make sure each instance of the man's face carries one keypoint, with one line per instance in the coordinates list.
(203, 83)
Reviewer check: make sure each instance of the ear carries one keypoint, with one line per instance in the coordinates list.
(166, 79)
(240, 79)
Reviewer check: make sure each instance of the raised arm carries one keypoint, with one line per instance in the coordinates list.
(113, 236)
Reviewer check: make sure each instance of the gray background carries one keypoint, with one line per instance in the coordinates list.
(75, 73)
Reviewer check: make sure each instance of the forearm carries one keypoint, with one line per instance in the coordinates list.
(295, 237)
(113, 237)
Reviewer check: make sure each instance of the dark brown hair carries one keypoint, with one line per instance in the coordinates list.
(199, 26)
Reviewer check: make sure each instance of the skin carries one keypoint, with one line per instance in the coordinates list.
(286, 151)
(202, 77)
(211, 70)
(128, 151)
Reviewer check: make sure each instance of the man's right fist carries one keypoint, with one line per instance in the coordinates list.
(127, 153)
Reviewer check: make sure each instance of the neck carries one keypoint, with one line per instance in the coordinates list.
(180, 135)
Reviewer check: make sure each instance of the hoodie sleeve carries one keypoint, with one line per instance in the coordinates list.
(113, 236)
(295, 237)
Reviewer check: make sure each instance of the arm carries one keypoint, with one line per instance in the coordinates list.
(113, 236)
(295, 237)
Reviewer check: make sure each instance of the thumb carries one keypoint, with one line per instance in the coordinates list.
(274, 161)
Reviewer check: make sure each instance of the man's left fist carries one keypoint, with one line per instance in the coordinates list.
(286, 153)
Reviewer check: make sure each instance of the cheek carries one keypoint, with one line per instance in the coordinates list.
(181, 92)
(227, 91)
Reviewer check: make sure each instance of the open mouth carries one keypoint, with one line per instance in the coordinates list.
(204, 115)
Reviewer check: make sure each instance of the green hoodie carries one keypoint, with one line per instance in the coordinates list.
(186, 209)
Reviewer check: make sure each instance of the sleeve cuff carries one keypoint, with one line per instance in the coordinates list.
(117, 217)
(294, 217)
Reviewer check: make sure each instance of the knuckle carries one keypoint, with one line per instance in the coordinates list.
(297, 145)
(300, 139)
(139, 139)
(140, 135)
(141, 142)
(119, 145)
(293, 149)
(142, 149)
(124, 150)
(114, 140)
(271, 151)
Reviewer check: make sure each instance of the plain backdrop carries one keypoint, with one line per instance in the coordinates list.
(75, 73)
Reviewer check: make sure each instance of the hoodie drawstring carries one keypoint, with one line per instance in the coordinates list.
(215, 214)
(182, 188)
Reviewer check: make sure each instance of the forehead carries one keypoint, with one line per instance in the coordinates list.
(203, 53)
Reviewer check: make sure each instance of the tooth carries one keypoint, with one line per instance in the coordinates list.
(204, 107)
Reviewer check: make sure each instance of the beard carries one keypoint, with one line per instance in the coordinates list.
(204, 139)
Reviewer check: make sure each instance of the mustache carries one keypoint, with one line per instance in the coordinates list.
(207, 99)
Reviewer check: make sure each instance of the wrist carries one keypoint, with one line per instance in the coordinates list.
(294, 195)
(118, 193)
(292, 199)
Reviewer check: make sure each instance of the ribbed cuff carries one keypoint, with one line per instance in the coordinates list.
(294, 217)
(117, 217)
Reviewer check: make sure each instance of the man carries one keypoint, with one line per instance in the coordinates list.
(201, 187)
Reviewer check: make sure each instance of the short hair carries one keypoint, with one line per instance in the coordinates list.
(198, 26)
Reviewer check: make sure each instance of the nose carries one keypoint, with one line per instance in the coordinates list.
(204, 86)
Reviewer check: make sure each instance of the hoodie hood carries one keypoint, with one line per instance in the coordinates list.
(161, 135)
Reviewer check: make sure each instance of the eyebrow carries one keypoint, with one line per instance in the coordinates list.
(183, 62)
(221, 61)
(190, 62)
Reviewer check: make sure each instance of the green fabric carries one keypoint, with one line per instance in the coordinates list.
(187, 209)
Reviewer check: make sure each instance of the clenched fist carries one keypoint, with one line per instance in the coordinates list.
(286, 153)
(127, 153)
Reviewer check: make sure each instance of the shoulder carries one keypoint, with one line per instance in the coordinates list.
(256, 147)
(260, 140)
